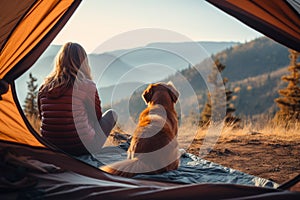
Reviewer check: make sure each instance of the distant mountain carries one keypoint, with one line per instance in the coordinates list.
(145, 64)
(177, 55)
(254, 70)
(253, 58)
(107, 69)
(112, 94)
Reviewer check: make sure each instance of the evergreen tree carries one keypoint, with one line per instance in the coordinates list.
(289, 102)
(30, 107)
(230, 119)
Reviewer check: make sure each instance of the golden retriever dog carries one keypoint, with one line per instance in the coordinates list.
(154, 147)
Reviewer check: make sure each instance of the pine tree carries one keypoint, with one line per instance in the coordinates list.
(289, 102)
(30, 107)
(230, 119)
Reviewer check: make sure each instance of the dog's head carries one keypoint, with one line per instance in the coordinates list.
(155, 87)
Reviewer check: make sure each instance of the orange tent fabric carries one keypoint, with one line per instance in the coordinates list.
(277, 19)
(13, 127)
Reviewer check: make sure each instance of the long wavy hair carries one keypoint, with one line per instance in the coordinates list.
(71, 64)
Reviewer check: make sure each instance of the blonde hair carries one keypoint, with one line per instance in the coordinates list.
(71, 64)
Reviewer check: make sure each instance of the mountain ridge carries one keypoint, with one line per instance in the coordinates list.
(255, 91)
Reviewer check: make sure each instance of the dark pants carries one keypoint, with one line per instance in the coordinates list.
(107, 123)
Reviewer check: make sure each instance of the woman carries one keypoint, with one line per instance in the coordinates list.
(69, 105)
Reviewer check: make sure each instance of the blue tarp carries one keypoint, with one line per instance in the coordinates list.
(192, 169)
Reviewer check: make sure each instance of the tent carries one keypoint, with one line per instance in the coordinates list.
(27, 28)
(278, 20)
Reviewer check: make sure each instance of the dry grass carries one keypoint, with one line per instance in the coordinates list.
(263, 149)
(270, 133)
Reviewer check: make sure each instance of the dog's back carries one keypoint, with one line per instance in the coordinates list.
(154, 131)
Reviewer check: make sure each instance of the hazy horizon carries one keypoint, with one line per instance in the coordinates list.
(97, 21)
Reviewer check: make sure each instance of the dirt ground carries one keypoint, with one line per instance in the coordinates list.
(255, 154)
(272, 153)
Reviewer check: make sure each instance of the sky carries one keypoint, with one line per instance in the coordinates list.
(96, 22)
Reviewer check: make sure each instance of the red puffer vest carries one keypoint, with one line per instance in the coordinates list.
(69, 116)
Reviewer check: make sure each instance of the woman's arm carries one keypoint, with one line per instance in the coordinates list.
(98, 105)
(93, 101)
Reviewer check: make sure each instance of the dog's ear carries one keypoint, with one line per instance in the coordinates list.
(174, 94)
(173, 91)
(148, 93)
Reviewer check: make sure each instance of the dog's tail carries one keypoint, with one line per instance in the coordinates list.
(126, 168)
(130, 167)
